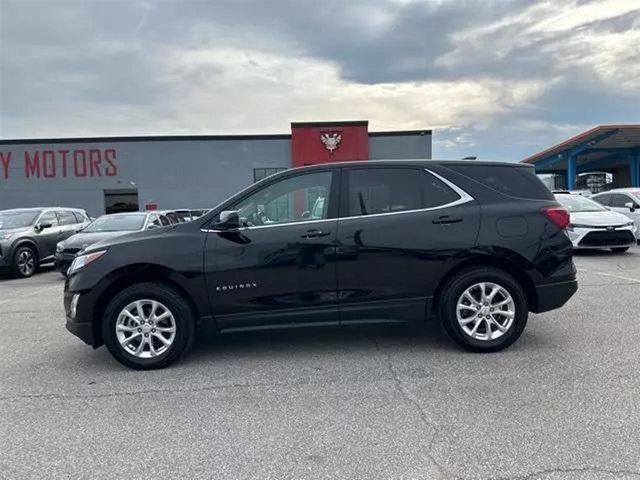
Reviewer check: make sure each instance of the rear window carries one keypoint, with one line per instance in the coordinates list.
(513, 181)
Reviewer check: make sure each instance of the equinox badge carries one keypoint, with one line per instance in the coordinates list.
(236, 286)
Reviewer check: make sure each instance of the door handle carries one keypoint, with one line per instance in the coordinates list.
(314, 234)
(446, 220)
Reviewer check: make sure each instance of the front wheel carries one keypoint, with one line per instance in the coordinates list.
(148, 326)
(25, 262)
(620, 250)
(484, 309)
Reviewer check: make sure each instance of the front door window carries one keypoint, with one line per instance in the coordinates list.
(296, 199)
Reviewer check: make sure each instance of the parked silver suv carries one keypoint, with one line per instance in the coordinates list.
(28, 236)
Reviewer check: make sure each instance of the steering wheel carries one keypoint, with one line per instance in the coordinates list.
(258, 218)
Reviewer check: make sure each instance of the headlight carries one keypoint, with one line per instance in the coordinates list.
(59, 247)
(628, 224)
(580, 225)
(84, 260)
(6, 236)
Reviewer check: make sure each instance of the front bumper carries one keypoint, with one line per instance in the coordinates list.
(63, 261)
(554, 295)
(79, 322)
(618, 237)
(6, 254)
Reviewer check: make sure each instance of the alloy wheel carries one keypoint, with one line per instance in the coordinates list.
(145, 328)
(26, 263)
(485, 311)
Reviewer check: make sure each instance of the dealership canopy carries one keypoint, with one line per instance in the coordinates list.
(606, 148)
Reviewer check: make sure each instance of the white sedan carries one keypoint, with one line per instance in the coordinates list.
(594, 226)
(623, 200)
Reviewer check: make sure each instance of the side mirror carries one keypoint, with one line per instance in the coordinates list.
(229, 220)
(631, 206)
(43, 225)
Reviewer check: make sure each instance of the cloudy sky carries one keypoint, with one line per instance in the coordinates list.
(497, 79)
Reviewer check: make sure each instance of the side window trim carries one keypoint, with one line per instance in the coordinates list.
(339, 182)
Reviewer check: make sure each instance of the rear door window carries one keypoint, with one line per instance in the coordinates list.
(386, 190)
(383, 190)
(604, 199)
(514, 181)
(66, 217)
(618, 200)
(436, 193)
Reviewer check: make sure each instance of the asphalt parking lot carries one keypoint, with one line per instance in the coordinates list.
(389, 403)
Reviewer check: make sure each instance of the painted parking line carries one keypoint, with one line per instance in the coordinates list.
(30, 294)
(621, 277)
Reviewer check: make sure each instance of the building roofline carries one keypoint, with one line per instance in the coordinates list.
(576, 138)
(145, 138)
(400, 133)
(182, 138)
(343, 123)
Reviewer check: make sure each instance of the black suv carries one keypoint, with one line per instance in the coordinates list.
(476, 245)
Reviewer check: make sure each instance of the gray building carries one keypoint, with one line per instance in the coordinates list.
(130, 173)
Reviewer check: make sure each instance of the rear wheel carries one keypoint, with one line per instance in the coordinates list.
(25, 262)
(484, 309)
(148, 326)
(620, 250)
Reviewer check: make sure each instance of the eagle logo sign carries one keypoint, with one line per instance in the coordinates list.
(331, 141)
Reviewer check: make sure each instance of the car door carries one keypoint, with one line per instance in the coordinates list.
(400, 229)
(68, 224)
(47, 238)
(278, 267)
(632, 213)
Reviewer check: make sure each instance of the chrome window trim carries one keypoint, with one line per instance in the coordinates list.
(464, 198)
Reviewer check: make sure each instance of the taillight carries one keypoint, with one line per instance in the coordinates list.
(559, 216)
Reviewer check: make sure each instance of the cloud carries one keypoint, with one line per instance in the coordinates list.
(497, 79)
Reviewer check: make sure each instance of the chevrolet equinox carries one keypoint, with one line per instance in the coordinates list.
(474, 246)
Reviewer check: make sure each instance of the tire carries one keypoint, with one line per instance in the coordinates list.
(495, 339)
(620, 249)
(132, 333)
(25, 262)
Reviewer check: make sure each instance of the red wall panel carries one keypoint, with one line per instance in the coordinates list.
(308, 148)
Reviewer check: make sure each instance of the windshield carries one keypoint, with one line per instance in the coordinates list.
(578, 203)
(17, 218)
(636, 194)
(116, 223)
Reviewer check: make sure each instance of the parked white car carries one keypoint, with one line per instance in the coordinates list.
(595, 226)
(623, 200)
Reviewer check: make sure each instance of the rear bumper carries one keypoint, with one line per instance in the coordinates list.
(554, 295)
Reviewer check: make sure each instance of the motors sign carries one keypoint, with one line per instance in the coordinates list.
(59, 163)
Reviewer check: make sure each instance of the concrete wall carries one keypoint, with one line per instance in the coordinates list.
(169, 173)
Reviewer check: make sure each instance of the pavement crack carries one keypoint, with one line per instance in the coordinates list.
(550, 471)
(408, 399)
(152, 391)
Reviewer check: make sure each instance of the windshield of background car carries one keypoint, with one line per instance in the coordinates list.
(17, 218)
(116, 223)
(577, 203)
